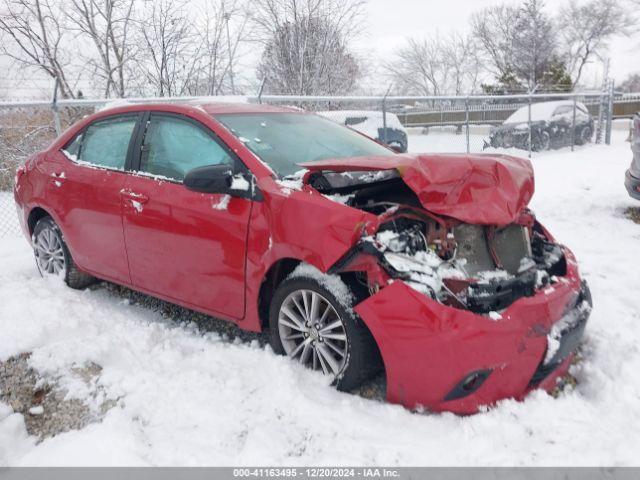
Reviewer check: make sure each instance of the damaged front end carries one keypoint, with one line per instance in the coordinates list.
(482, 269)
(462, 287)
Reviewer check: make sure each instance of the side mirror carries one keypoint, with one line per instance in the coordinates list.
(218, 179)
(396, 147)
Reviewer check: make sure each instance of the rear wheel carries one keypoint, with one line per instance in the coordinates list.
(53, 257)
(584, 136)
(309, 325)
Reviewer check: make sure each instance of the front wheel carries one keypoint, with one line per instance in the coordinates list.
(53, 257)
(315, 325)
(543, 143)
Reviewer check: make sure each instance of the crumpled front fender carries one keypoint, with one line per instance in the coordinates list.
(429, 348)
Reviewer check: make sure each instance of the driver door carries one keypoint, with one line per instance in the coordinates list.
(187, 247)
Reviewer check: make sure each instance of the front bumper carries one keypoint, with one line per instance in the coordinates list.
(433, 352)
(632, 185)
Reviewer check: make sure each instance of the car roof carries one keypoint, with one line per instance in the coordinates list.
(216, 108)
(210, 107)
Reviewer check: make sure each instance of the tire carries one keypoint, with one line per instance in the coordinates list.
(53, 257)
(543, 142)
(361, 359)
(584, 136)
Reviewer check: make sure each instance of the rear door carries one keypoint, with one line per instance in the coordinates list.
(86, 187)
(185, 246)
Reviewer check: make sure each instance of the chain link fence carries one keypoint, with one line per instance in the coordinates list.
(473, 124)
(523, 125)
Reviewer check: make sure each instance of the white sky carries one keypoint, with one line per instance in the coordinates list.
(388, 24)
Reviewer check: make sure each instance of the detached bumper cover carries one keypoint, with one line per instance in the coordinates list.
(432, 351)
(633, 185)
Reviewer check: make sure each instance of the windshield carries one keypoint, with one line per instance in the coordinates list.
(284, 140)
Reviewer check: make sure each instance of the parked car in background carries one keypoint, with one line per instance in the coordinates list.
(632, 178)
(552, 126)
(371, 124)
(430, 268)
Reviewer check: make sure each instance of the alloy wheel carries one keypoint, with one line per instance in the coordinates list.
(312, 332)
(49, 252)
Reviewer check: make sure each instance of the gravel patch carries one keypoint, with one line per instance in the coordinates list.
(46, 410)
(633, 213)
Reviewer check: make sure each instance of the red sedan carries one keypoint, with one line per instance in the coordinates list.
(353, 257)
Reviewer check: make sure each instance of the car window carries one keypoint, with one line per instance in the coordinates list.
(285, 140)
(173, 146)
(105, 142)
(72, 149)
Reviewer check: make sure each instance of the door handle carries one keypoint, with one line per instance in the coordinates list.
(133, 196)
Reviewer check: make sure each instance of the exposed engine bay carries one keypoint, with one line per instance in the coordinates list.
(480, 268)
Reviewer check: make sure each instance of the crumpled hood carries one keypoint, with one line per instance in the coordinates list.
(480, 189)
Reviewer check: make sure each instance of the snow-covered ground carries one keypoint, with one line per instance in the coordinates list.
(446, 140)
(188, 398)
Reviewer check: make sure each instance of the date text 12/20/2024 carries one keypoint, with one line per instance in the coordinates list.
(316, 472)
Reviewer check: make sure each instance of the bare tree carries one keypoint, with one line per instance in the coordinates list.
(493, 28)
(420, 67)
(169, 60)
(436, 65)
(521, 43)
(34, 37)
(107, 24)
(224, 29)
(306, 45)
(586, 29)
(534, 43)
(631, 84)
(464, 61)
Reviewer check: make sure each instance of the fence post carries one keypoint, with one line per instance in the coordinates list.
(384, 115)
(573, 124)
(602, 113)
(54, 109)
(607, 138)
(530, 126)
(466, 117)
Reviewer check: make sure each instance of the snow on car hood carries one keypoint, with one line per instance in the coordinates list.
(480, 189)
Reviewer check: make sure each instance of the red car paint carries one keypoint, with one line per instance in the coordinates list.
(428, 347)
(481, 189)
(177, 247)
